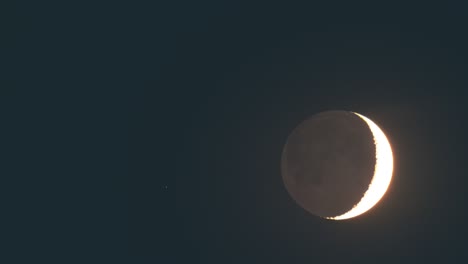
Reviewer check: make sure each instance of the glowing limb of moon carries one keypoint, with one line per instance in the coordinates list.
(382, 174)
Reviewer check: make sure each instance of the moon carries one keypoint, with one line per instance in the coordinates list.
(337, 164)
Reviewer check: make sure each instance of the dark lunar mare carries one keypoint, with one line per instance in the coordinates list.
(328, 162)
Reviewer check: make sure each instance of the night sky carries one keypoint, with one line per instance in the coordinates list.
(152, 133)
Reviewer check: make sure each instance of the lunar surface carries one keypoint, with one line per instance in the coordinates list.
(337, 164)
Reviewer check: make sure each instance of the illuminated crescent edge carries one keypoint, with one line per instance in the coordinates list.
(382, 173)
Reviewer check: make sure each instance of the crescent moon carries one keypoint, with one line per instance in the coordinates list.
(382, 173)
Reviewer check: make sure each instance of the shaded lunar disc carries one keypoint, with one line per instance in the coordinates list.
(328, 162)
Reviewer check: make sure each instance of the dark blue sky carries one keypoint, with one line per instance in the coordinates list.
(112, 102)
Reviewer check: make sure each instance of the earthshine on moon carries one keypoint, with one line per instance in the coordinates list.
(337, 164)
